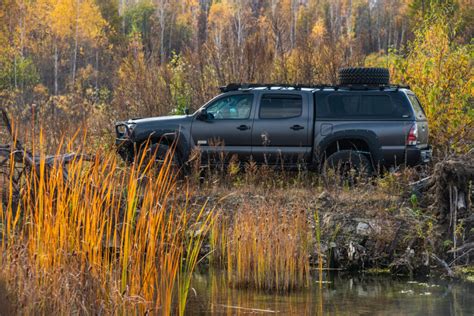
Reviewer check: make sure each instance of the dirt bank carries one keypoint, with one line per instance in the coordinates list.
(409, 229)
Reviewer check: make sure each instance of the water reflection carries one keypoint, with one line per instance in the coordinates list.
(364, 295)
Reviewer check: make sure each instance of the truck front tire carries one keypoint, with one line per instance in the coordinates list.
(159, 153)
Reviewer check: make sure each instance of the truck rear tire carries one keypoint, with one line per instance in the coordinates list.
(347, 166)
(364, 76)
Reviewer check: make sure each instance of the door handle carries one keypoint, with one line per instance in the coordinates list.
(297, 127)
(243, 127)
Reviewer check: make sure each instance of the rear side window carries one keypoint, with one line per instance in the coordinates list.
(280, 106)
(377, 106)
(343, 105)
(419, 113)
(360, 106)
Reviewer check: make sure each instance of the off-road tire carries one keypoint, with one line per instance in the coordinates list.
(159, 152)
(364, 76)
(347, 166)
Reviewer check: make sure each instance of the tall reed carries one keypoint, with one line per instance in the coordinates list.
(108, 239)
(268, 249)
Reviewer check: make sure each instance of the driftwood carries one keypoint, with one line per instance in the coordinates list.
(443, 264)
(456, 172)
(449, 193)
(463, 248)
(16, 161)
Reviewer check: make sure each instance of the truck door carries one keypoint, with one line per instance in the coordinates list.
(228, 129)
(281, 128)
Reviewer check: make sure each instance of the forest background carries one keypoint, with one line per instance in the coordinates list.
(83, 64)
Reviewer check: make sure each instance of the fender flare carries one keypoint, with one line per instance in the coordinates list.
(367, 136)
(178, 140)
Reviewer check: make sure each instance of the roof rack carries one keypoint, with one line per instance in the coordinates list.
(251, 86)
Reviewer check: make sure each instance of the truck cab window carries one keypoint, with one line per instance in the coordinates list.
(280, 106)
(234, 107)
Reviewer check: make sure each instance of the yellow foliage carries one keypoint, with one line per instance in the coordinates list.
(440, 72)
(442, 76)
(66, 17)
(219, 15)
(319, 30)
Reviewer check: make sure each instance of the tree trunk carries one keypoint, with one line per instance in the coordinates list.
(379, 41)
(170, 35)
(22, 28)
(121, 13)
(389, 38)
(402, 36)
(369, 28)
(162, 30)
(15, 71)
(56, 61)
(76, 34)
(97, 69)
(294, 12)
(74, 59)
(349, 29)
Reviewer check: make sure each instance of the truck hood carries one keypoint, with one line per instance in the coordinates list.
(160, 119)
(142, 128)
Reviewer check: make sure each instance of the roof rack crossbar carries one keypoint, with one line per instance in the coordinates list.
(248, 86)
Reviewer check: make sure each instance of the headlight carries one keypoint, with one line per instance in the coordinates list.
(124, 129)
(121, 129)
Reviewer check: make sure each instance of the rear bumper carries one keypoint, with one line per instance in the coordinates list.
(418, 156)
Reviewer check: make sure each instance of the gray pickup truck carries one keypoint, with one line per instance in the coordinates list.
(370, 125)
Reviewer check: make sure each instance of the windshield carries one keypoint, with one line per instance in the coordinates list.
(419, 113)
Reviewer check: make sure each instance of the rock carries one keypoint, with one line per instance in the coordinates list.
(363, 229)
(323, 196)
(356, 254)
(324, 200)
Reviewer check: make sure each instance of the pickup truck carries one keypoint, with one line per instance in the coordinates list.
(370, 126)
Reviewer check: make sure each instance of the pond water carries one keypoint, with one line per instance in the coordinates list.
(339, 295)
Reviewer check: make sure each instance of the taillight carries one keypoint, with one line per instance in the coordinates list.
(412, 135)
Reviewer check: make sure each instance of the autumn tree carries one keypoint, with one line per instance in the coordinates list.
(440, 72)
(66, 29)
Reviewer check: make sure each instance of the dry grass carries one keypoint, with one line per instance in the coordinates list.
(117, 240)
(271, 232)
(108, 240)
(265, 247)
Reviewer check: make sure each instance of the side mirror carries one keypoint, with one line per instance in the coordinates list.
(202, 115)
(186, 111)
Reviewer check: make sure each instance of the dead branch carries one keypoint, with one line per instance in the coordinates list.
(443, 264)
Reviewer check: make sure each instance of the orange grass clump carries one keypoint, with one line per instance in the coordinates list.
(109, 239)
(268, 249)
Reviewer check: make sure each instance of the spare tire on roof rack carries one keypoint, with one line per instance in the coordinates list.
(364, 76)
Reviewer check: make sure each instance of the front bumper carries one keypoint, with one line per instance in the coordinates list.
(124, 142)
(418, 156)
(125, 148)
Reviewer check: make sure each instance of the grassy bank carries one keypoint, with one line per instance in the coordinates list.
(118, 239)
(106, 240)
